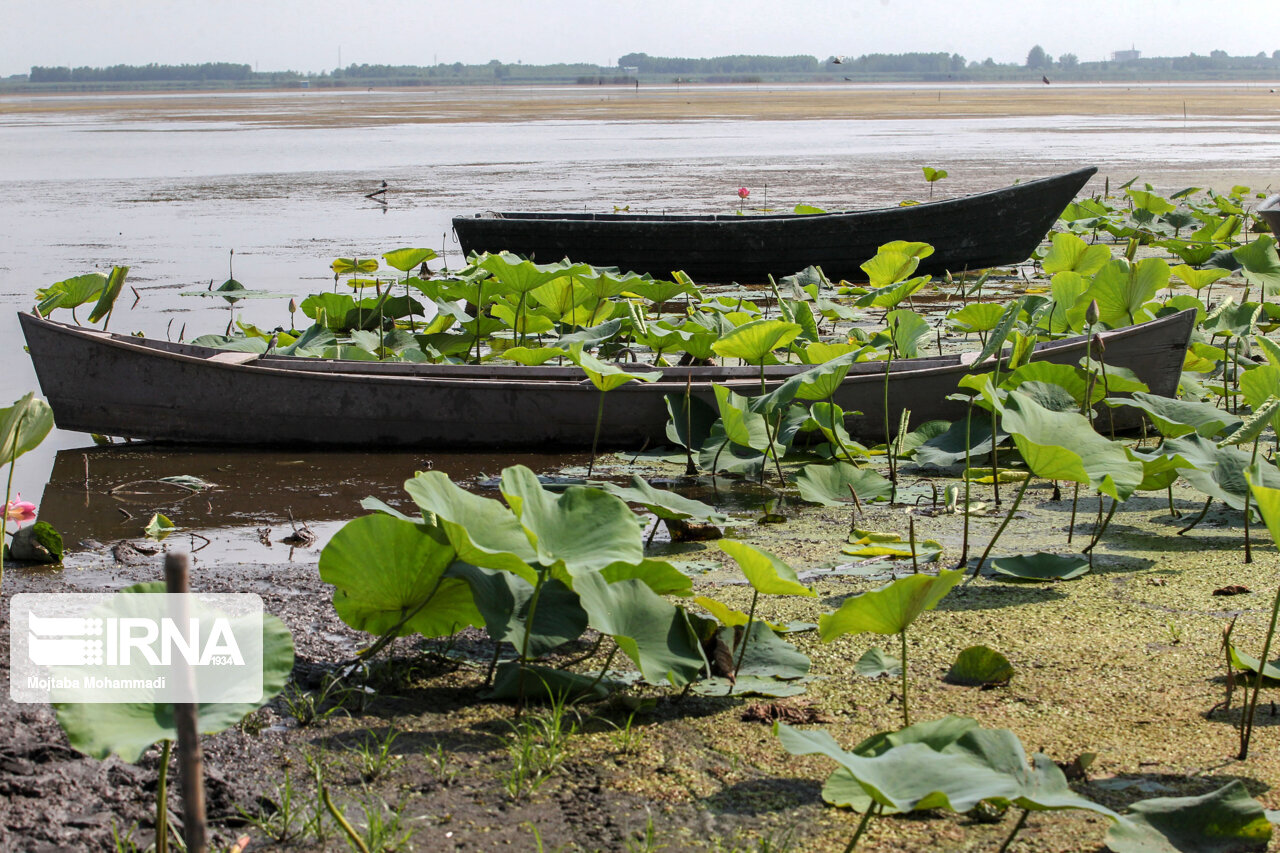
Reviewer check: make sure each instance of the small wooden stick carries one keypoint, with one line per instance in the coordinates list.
(190, 755)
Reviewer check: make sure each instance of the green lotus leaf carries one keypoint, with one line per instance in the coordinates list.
(906, 330)
(1063, 446)
(689, 427)
(1223, 821)
(1231, 320)
(110, 290)
(869, 543)
(1174, 418)
(159, 527)
(1198, 279)
(534, 683)
(128, 729)
(1069, 252)
(656, 291)
(752, 342)
(585, 528)
(23, 426)
(1042, 567)
(877, 663)
(889, 609)
(1261, 263)
(406, 259)
(980, 666)
(890, 295)
(652, 632)
(1248, 663)
(503, 600)
(345, 266)
(1218, 472)
(482, 530)
(666, 504)
(765, 572)
(1074, 380)
(1122, 290)
(70, 293)
(385, 569)
(829, 484)
(976, 317)
(605, 376)
(659, 575)
(739, 422)
(531, 357)
(890, 266)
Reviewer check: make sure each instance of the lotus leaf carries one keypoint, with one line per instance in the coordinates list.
(1069, 252)
(980, 666)
(753, 341)
(976, 317)
(409, 592)
(1122, 290)
(1248, 663)
(343, 266)
(1222, 821)
(1042, 567)
(503, 600)
(127, 729)
(1063, 446)
(70, 293)
(766, 573)
(606, 377)
(1218, 472)
(876, 663)
(1261, 263)
(481, 530)
(666, 504)
(890, 295)
(406, 259)
(891, 265)
(659, 575)
(906, 330)
(23, 426)
(1176, 418)
(656, 635)
(866, 543)
(889, 609)
(829, 484)
(159, 527)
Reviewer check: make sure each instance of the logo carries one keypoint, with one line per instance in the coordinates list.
(135, 647)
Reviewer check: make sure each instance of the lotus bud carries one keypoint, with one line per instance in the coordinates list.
(1091, 313)
(1099, 344)
(293, 306)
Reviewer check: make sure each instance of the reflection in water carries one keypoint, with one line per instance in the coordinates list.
(109, 493)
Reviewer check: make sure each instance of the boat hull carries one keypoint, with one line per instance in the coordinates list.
(124, 386)
(973, 232)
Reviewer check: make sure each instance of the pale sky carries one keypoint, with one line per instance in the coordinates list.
(305, 36)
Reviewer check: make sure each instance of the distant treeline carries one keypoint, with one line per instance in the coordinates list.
(641, 67)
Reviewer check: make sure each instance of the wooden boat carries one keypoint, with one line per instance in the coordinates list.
(973, 232)
(171, 392)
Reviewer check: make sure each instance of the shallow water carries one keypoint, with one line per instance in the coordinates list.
(170, 184)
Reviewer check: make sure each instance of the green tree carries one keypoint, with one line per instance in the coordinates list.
(1037, 58)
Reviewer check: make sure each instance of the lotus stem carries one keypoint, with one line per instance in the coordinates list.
(8, 492)
(1017, 499)
(888, 439)
(689, 469)
(604, 669)
(906, 709)
(1102, 527)
(746, 635)
(528, 632)
(1198, 518)
(1172, 510)
(1075, 501)
(911, 540)
(350, 831)
(162, 799)
(1253, 461)
(964, 542)
(995, 459)
(862, 826)
(1246, 722)
(1017, 827)
(591, 466)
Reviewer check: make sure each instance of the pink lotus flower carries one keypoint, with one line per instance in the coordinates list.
(19, 510)
(743, 192)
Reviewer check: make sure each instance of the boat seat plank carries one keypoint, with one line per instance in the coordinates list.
(234, 357)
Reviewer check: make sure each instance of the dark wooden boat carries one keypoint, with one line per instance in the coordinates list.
(974, 232)
(126, 386)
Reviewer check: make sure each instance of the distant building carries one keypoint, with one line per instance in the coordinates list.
(1126, 56)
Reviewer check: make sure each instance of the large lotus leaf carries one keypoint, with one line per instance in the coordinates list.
(331, 309)
(660, 576)
(948, 448)
(767, 655)
(1122, 290)
(829, 484)
(666, 504)
(872, 543)
(1255, 423)
(976, 317)
(408, 258)
(1159, 471)
(1069, 252)
(1267, 500)
(1261, 263)
(482, 530)
(1174, 418)
(1041, 566)
(1218, 472)
(890, 295)
(1063, 446)
(585, 528)
(71, 292)
(718, 454)
(689, 427)
(877, 663)
(741, 424)
(533, 683)
(1197, 279)
(1231, 320)
(656, 291)
(1074, 380)
(752, 341)
(1040, 787)
(889, 609)
(655, 634)
(1069, 305)
(127, 729)
(1259, 384)
(889, 266)
(528, 356)
(906, 330)
(765, 572)
(1223, 821)
(503, 600)
(909, 443)
(110, 290)
(911, 776)
(1248, 663)
(980, 666)
(23, 426)
(606, 376)
(521, 276)
(385, 569)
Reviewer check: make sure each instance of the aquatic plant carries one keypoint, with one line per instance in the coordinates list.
(22, 427)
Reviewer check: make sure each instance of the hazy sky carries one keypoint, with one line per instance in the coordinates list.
(312, 35)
